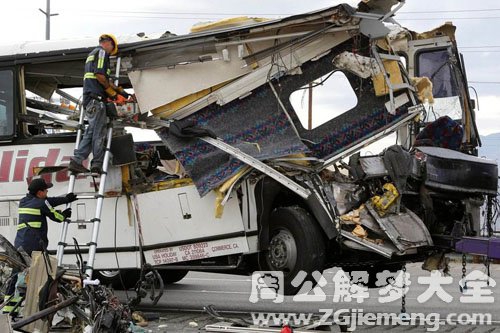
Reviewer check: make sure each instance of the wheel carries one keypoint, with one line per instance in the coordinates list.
(172, 276)
(112, 277)
(296, 244)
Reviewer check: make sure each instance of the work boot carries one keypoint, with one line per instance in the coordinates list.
(76, 167)
(96, 169)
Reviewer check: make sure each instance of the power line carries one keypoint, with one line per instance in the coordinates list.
(212, 18)
(478, 47)
(285, 14)
(485, 82)
(449, 18)
(451, 11)
(479, 51)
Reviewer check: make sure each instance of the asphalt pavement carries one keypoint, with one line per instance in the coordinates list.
(181, 307)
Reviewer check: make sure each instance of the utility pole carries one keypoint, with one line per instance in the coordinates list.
(47, 19)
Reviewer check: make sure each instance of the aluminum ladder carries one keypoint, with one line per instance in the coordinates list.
(96, 221)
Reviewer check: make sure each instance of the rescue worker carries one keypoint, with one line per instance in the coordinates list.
(32, 228)
(97, 88)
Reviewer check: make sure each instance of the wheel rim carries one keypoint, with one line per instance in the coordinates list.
(282, 253)
(109, 274)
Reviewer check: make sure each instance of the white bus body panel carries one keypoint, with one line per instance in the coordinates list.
(171, 219)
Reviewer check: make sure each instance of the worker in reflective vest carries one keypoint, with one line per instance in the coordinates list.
(33, 211)
(97, 89)
(32, 228)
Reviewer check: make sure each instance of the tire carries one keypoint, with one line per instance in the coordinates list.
(172, 276)
(112, 277)
(296, 244)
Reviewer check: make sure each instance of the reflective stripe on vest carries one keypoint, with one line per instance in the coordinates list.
(90, 58)
(89, 75)
(57, 215)
(30, 211)
(36, 225)
(12, 303)
(100, 59)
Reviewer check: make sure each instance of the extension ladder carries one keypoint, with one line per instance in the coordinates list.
(96, 221)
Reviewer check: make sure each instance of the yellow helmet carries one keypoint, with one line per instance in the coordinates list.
(113, 39)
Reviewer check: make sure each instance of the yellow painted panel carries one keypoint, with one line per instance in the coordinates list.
(392, 69)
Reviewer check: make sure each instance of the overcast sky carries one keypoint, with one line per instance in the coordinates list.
(478, 27)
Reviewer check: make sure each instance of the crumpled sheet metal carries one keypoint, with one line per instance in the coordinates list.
(377, 6)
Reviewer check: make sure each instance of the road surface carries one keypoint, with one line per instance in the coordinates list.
(231, 294)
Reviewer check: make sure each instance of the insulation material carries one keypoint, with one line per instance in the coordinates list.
(447, 29)
(254, 125)
(360, 232)
(424, 89)
(352, 216)
(173, 167)
(394, 73)
(222, 191)
(362, 66)
(226, 23)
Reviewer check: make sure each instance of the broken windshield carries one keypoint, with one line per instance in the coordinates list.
(436, 66)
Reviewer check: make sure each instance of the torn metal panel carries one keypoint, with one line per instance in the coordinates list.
(377, 6)
(177, 81)
(373, 29)
(406, 230)
(385, 250)
(259, 76)
(171, 55)
(373, 166)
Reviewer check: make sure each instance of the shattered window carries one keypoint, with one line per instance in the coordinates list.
(436, 66)
(6, 103)
(323, 99)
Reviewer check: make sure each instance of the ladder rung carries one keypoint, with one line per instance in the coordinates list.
(79, 244)
(389, 56)
(403, 86)
(86, 221)
(95, 196)
(89, 174)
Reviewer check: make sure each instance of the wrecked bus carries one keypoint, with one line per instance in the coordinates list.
(258, 166)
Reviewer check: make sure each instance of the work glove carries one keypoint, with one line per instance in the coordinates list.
(110, 92)
(66, 213)
(122, 92)
(70, 197)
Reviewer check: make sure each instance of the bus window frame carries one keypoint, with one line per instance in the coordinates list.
(15, 103)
